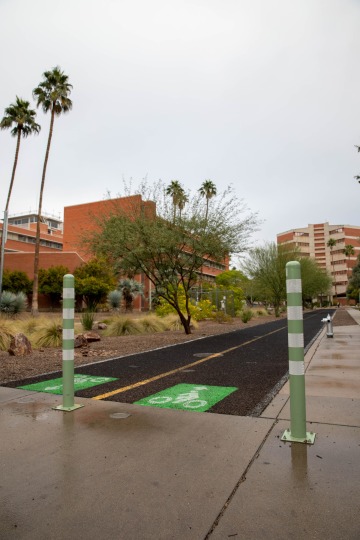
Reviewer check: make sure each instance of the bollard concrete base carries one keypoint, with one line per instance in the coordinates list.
(67, 409)
(308, 439)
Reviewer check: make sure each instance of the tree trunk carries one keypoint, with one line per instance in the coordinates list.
(185, 322)
(35, 304)
(14, 168)
(4, 229)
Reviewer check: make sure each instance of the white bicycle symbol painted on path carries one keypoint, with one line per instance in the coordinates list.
(189, 400)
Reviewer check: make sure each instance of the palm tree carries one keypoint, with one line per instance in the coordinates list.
(207, 190)
(21, 119)
(52, 95)
(177, 193)
(330, 244)
(349, 251)
(182, 200)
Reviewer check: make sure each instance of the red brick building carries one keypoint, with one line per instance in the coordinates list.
(62, 243)
(81, 218)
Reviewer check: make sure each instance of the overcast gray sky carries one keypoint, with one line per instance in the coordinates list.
(261, 94)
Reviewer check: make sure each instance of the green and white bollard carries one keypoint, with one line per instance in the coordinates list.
(297, 431)
(68, 345)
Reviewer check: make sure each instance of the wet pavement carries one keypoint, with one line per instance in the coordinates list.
(116, 470)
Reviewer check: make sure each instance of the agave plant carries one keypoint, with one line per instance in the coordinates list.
(12, 304)
(130, 289)
(114, 299)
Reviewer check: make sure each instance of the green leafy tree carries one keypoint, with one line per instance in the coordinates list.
(267, 268)
(16, 281)
(52, 95)
(315, 280)
(169, 255)
(21, 119)
(93, 281)
(51, 282)
(353, 289)
(207, 190)
(235, 281)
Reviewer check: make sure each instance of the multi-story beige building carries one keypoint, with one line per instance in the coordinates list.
(313, 242)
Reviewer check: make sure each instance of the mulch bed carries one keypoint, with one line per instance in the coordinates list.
(343, 318)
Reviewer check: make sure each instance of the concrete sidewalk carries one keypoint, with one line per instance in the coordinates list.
(121, 471)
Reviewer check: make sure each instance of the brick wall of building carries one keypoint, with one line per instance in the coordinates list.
(81, 219)
(25, 261)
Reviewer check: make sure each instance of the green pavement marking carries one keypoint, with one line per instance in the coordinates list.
(188, 397)
(55, 386)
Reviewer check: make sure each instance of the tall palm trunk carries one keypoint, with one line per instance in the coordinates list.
(207, 209)
(35, 303)
(14, 169)
(4, 229)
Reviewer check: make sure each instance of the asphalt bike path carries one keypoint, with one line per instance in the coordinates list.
(235, 373)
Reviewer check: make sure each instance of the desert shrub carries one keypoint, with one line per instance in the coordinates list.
(260, 312)
(122, 326)
(30, 325)
(246, 315)
(107, 320)
(200, 311)
(172, 322)
(12, 304)
(87, 319)
(49, 335)
(152, 324)
(5, 334)
(204, 310)
(222, 317)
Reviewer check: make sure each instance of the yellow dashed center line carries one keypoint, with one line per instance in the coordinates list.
(177, 370)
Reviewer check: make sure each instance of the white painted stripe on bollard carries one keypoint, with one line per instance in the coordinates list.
(294, 313)
(68, 292)
(68, 333)
(293, 285)
(68, 313)
(68, 355)
(296, 340)
(296, 368)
